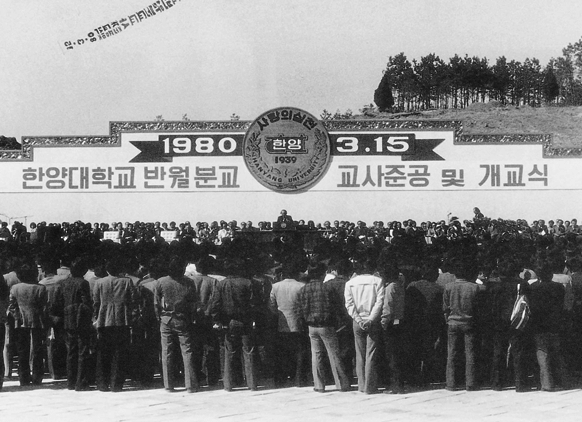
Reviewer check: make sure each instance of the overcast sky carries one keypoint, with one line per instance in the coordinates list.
(212, 58)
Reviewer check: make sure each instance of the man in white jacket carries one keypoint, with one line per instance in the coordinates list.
(364, 295)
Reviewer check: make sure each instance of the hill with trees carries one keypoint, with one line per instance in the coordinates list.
(433, 83)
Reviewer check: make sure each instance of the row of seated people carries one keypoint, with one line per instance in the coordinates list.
(217, 231)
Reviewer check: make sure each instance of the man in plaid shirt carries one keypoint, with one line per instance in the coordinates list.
(319, 308)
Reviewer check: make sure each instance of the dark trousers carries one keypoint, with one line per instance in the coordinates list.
(345, 336)
(112, 353)
(500, 371)
(264, 338)
(549, 358)
(291, 358)
(207, 353)
(524, 360)
(577, 337)
(78, 345)
(56, 348)
(2, 339)
(30, 346)
(426, 357)
(173, 333)
(395, 352)
(237, 340)
(457, 336)
(145, 351)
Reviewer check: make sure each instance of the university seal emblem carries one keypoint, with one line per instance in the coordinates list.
(287, 149)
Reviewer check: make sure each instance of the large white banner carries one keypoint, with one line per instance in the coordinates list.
(286, 158)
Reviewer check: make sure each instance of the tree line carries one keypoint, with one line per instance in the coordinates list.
(431, 82)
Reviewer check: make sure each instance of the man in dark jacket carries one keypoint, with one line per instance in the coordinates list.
(55, 341)
(231, 312)
(28, 302)
(209, 342)
(147, 324)
(546, 305)
(424, 300)
(4, 295)
(176, 304)
(460, 303)
(339, 272)
(78, 310)
(501, 295)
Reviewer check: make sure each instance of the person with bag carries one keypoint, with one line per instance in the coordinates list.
(501, 298)
(521, 346)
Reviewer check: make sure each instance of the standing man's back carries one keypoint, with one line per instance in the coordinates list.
(291, 341)
(231, 311)
(364, 297)
(460, 303)
(112, 300)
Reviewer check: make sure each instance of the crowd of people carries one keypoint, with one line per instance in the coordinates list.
(399, 307)
(215, 232)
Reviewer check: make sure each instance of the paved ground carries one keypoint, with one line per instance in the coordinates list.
(53, 402)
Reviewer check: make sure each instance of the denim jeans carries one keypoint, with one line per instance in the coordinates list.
(237, 340)
(367, 355)
(457, 335)
(324, 340)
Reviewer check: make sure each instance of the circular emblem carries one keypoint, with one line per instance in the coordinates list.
(287, 149)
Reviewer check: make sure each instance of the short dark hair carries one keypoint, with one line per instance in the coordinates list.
(343, 267)
(177, 267)
(205, 264)
(79, 267)
(114, 266)
(294, 265)
(464, 268)
(545, 272)
(364, 263)
(27, 272)
(50, 264)
(429, 271)
(316, 271)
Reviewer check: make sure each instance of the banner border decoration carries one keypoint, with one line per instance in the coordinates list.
(29, 143)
